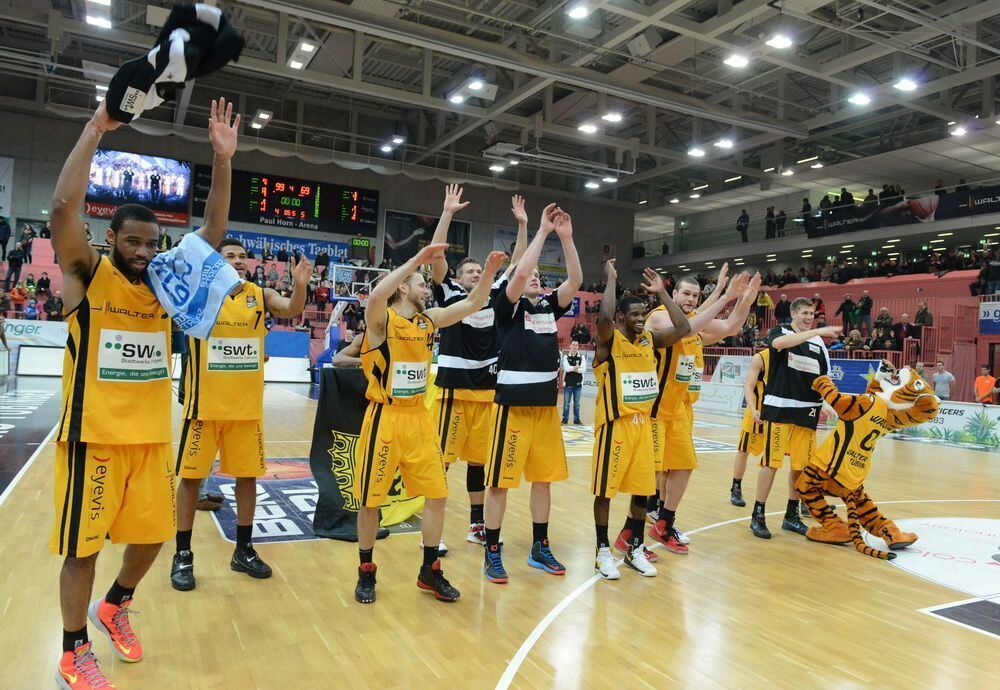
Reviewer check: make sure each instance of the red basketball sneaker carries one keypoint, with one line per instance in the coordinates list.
(78, 670)
(113, 621)
(671, 542)
(622, 545)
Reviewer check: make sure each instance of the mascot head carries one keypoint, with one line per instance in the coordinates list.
(900, 388)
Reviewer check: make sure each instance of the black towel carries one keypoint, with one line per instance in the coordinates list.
(196, 40)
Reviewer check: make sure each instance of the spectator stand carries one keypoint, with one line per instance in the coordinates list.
(351, 286)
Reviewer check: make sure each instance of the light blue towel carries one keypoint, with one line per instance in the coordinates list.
(191, 281)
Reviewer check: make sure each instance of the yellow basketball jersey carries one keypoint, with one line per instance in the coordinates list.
(846, 453)
(758, 387)
(116, 370)
(626, 382)
(679, 371)
(397, 369)
(224, 375)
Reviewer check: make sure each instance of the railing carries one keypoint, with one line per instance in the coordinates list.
(930, 337)
(966, 322)
(711, 356)
(689, 236)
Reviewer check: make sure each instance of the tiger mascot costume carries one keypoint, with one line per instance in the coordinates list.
(839, 466)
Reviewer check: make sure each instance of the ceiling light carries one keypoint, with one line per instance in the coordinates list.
(860, 98)
(696, 152)
(643, 201)
(816, 166)
(677, 201)
(779, 41)
(736, 60)
(945, 234)
(295, 64)
(958, 131)
(951, 123)
(845, 251)
(891, 241)
(99, 97)
(991, 234)
(258, 125)
(497, 168)
(612, 117)
(580, 10)
(476, 84)
(102, 22)
(847, 246)
(696, 195)
(513, 162)
(893, 254)
(101, 87)
(724, 143)
(306, 47)
(592, 185)
(397, 140)
(457, 98)
(262, 115)
(905, 84)
(888, 246)
(105, 3)
(771, 260)
(806, 160)
(936, 241)
(787, 172)
(385, 148)
(768, 169)
(588, 128)
(609, 179)
(770, 255)
(733, 179)
(699, 187)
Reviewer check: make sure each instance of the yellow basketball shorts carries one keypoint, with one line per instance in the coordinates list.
(525, 440)
(239, 443)
(463, 427)
(623, 458)
(797, 442)
(125, 491)
(673, 442)
(402, 438)
(752, 435)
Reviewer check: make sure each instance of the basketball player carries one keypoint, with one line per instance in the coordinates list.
(526, 437)
(751, 431)
(625, 370)
(467, 361)
(791, 409)
(224, 409)
(679, 369)
(397, 430)
(113, 470)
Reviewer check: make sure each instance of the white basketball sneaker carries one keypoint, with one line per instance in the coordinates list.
(637, 561)
(606, 565)
(442, 548)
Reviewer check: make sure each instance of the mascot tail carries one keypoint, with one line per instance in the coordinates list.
(855, 527)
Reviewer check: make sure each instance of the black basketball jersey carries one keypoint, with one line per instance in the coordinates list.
(529, 350)
(467, 352)
(788, 394)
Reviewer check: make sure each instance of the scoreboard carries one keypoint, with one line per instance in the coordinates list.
(288, 202)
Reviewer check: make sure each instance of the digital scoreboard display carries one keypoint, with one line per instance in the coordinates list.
(288, 202)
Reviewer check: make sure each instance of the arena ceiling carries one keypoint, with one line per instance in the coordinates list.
(556, 75)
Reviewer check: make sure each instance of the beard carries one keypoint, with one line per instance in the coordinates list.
(123, 265)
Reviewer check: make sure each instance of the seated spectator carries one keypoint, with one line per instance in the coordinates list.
(44, 287)
(30, 285)
(30, 312)
(803, 277)
(904, 329)
(258, 276)
(54, 307)
(884, 319)
(820, 321)
(819, 307)
(854, 341)
(986, 386)
(18, 296)
(580, 334)
(347, 339)
(272, 273)
(839, 343)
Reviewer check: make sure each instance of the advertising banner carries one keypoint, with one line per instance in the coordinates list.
(162, 185)
(720, 397)
(970, 425)
(551, 264)
(408, 233)
(309, 248)
(989, 318)
(45, 333)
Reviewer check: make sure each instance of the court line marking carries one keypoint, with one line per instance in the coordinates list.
(514, 665)
(933, 611)
(28, 464)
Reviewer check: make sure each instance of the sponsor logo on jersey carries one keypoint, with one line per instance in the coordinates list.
(131, 356)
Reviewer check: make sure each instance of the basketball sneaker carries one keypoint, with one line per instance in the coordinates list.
(682, 537)
(493, 564)
(432, 579)
(182, 571)
(606, 565)
(78, 670)
(667, 537)
(637, 561)
(364, 591)
(759, 528)
(541, 557)
(477, 534)
(736, 497)
(794, 524)
(623, 544)
(442, 547)
(246, 560)
(113, 621)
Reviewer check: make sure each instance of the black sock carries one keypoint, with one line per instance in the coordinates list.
(758, 508)
(602, 536)
(492, 537)
(475, 478)
(661, 512)
(244, 534)
(737, 483)
(476, 514)
(74, 638)
(183, 540)
(365, 555)
(430, 555)
(792, 509)
(540, 532)
(118, 594)
(635, 524)
(651, 502)
(668, 517)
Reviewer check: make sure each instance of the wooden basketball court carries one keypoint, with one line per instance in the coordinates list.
(736, 612)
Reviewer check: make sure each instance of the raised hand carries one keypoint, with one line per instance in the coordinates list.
(431, 253)
(517, 208)
(723, 275)
(829, 331)
(222, 128)
(548, 222)
(493, 263)
(609, 268)
(453, 199)
(102, 121)
(564, 225)
(653, 283)
(302, 271)
(736, 286)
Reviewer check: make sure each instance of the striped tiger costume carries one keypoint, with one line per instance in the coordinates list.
(840, 465)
